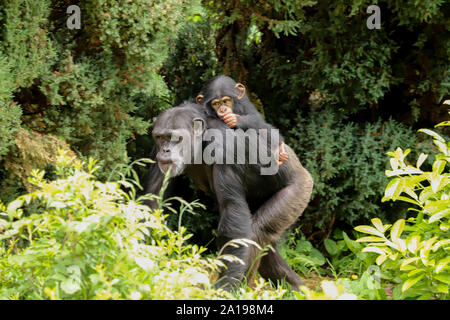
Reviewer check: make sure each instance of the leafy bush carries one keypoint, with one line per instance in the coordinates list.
(78, 238)
(346, 160)
(300, 253)
(351, 269)
(95, 88)
(338, 290)
(304, 47)
(192, 59)
(10, 112)
(416, 251)
(346, 258)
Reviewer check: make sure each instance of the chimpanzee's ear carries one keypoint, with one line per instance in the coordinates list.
(240, 90)
(199, 99)
(198, 125)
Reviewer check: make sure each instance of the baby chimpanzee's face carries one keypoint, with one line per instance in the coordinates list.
(222, 105)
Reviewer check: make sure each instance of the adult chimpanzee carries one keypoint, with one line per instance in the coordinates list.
(252, 206)
(225, 98)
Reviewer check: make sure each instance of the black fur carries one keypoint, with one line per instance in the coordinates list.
(221, 86)
(251, 206)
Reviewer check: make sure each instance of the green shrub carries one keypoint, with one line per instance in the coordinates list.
(303, 47)
(9, 112)
(192, 59)
(96, 87)
(300, 254)
(79, 238)
(416, 251)
(346, 160)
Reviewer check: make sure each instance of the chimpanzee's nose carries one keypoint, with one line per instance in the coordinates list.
(222, 110)
(164, 155)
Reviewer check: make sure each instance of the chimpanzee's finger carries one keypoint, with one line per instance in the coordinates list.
(283, 157)
(225, 113)
(228, 116)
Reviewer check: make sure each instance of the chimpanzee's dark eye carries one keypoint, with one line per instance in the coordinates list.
(226, 100)
(215, 104)
(162, 139)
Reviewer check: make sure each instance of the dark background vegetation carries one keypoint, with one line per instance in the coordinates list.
(341, 94)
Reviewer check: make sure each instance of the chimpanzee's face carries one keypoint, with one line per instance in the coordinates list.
(170, 154)
(222, 105)
(222, 95)
(175, 132)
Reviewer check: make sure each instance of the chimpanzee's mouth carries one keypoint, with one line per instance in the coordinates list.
(164, 165)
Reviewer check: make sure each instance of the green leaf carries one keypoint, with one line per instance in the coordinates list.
(410, 282)
(415, 271)
(432, 133)
(425, 195)
(145, 263)
(13, 206)
(439, 215)
(436, 182)
(303, 246)
(397, 229)
(444, 277)
(70, 285)
(437, 206)
(407, 262)
(441, 287)
(444, 123)
(408, 267)
(439, 166)
(352, 245)
(381, 258)
(427, 245)
(442, 146)
(408, 200)
(378, 224)
(374, 249)
(407, 170)
(369, 230)
(439, 244)
(317, 257)
(394, 163)
(421, 159)
(22, 259)
(370, 239)
(391, 188)
(412, 244)
(331, 247)
(441, 264)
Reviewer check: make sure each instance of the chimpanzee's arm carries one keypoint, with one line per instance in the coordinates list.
(154, 181)
(255, 121)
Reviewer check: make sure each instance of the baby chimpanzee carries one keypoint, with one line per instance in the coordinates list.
(224, 97)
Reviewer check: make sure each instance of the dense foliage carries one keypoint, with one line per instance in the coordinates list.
(416, 252)
(95, 87)
(78, 238)
(346, 160)
(336, 89)
(345, 98)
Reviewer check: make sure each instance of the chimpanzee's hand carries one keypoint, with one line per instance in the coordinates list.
(282, 154)
(230, 119)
